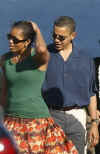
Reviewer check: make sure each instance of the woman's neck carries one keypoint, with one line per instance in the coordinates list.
(20, 56)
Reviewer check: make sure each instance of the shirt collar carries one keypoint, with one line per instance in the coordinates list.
(75, 51)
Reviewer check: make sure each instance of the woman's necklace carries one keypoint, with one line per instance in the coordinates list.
(15, 59)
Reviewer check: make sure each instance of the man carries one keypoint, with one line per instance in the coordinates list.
(97, 64)
(69, 85)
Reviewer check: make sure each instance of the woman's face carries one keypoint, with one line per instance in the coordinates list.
(17, 42)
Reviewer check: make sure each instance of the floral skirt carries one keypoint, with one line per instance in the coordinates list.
(39, 136)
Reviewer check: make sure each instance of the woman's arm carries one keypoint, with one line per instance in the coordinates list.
(3, 94)
(3, 90)
(42, 54)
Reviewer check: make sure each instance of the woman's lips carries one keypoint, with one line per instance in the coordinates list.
(11, 47)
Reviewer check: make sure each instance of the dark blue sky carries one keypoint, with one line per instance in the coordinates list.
(44, 12)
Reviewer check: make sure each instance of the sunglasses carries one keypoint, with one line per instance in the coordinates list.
(59, 37)
(15, 40)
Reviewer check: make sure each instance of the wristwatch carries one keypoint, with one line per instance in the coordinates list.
(95, 120)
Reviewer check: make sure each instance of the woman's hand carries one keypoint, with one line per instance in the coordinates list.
(35, 26)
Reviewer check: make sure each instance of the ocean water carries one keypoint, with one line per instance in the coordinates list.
(86, 14)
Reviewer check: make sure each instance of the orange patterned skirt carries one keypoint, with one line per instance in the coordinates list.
(39, 136)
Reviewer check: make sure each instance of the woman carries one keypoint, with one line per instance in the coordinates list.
(26, 115)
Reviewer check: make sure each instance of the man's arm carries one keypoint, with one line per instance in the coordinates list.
(93, 133)
(42, 54)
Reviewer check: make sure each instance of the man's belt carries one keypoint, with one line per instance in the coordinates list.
(64, 108)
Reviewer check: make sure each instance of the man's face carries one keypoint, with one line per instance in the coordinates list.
(62, 37)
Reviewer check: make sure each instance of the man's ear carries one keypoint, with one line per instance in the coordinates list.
(73, 35)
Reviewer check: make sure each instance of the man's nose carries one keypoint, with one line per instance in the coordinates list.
(57, 39)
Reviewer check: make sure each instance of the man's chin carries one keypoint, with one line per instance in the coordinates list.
(58, 48)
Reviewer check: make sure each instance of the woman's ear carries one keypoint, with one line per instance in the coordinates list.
(27, 42)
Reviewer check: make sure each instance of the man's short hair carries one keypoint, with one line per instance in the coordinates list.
(66, 21)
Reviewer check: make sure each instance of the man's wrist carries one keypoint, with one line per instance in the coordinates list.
(95, 121)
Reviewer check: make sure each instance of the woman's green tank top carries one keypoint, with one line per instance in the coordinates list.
(24, 82)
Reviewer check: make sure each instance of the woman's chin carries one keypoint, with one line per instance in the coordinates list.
(12, 50)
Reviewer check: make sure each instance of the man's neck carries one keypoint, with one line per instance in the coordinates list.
(66, 52)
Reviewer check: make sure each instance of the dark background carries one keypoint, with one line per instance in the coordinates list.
(44, 12)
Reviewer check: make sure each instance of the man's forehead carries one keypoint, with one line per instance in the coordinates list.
(64, 29)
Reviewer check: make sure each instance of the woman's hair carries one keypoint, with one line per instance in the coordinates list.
(27, 29)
